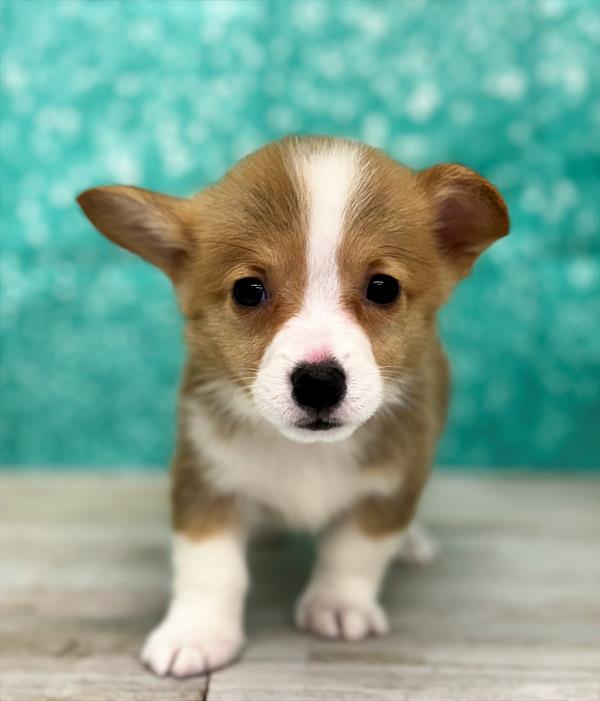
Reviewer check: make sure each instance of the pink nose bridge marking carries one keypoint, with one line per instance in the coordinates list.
(318, 355)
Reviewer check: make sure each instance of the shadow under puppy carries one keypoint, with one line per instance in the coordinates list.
(316, 386)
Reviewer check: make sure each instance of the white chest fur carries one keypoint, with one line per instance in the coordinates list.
(304, 484)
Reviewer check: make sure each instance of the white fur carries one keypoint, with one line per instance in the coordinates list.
(341, 599)
(329, 179)
(305, 485)
(202, 629)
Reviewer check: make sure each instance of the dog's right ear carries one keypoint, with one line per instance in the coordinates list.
(147, 223)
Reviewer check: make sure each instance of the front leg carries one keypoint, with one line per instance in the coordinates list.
(203, 627)
(341, 598)
(340, 601)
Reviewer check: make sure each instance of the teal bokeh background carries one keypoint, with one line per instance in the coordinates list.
(168, 95)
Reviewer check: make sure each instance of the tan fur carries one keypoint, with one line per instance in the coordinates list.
(197, 510)
(389, 231)
(249, 224)
(149, 224)
(469, 213)
(424, 229)
(404, 441)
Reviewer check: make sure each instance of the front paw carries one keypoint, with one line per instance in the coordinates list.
(184, 646)
(330, 615)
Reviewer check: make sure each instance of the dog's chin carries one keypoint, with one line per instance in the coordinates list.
(317, 431)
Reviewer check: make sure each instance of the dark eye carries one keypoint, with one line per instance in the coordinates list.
(383, 289)
(249, 292)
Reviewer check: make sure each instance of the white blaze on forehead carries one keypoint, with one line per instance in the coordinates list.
(329, 177)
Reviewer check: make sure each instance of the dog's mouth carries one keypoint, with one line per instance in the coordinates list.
(319, 424)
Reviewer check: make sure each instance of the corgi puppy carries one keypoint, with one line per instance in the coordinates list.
(315, 388)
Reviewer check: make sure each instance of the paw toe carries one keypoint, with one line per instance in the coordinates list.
(187, 662)
(341, 620)
(354, 625)
(323, 622)
(157, 656)
(185, 653)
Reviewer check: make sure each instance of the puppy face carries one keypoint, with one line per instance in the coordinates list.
(310, 276)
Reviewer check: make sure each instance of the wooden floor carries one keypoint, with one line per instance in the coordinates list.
(508, 612)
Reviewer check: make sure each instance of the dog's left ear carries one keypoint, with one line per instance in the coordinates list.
(469, 213)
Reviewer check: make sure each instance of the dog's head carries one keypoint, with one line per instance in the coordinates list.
(310, 275)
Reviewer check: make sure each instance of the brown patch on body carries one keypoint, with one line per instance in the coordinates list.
(403, 442)
(196, 509)
(426, 230)
(250, 224)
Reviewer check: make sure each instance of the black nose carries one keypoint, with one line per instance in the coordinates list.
(318, 385)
